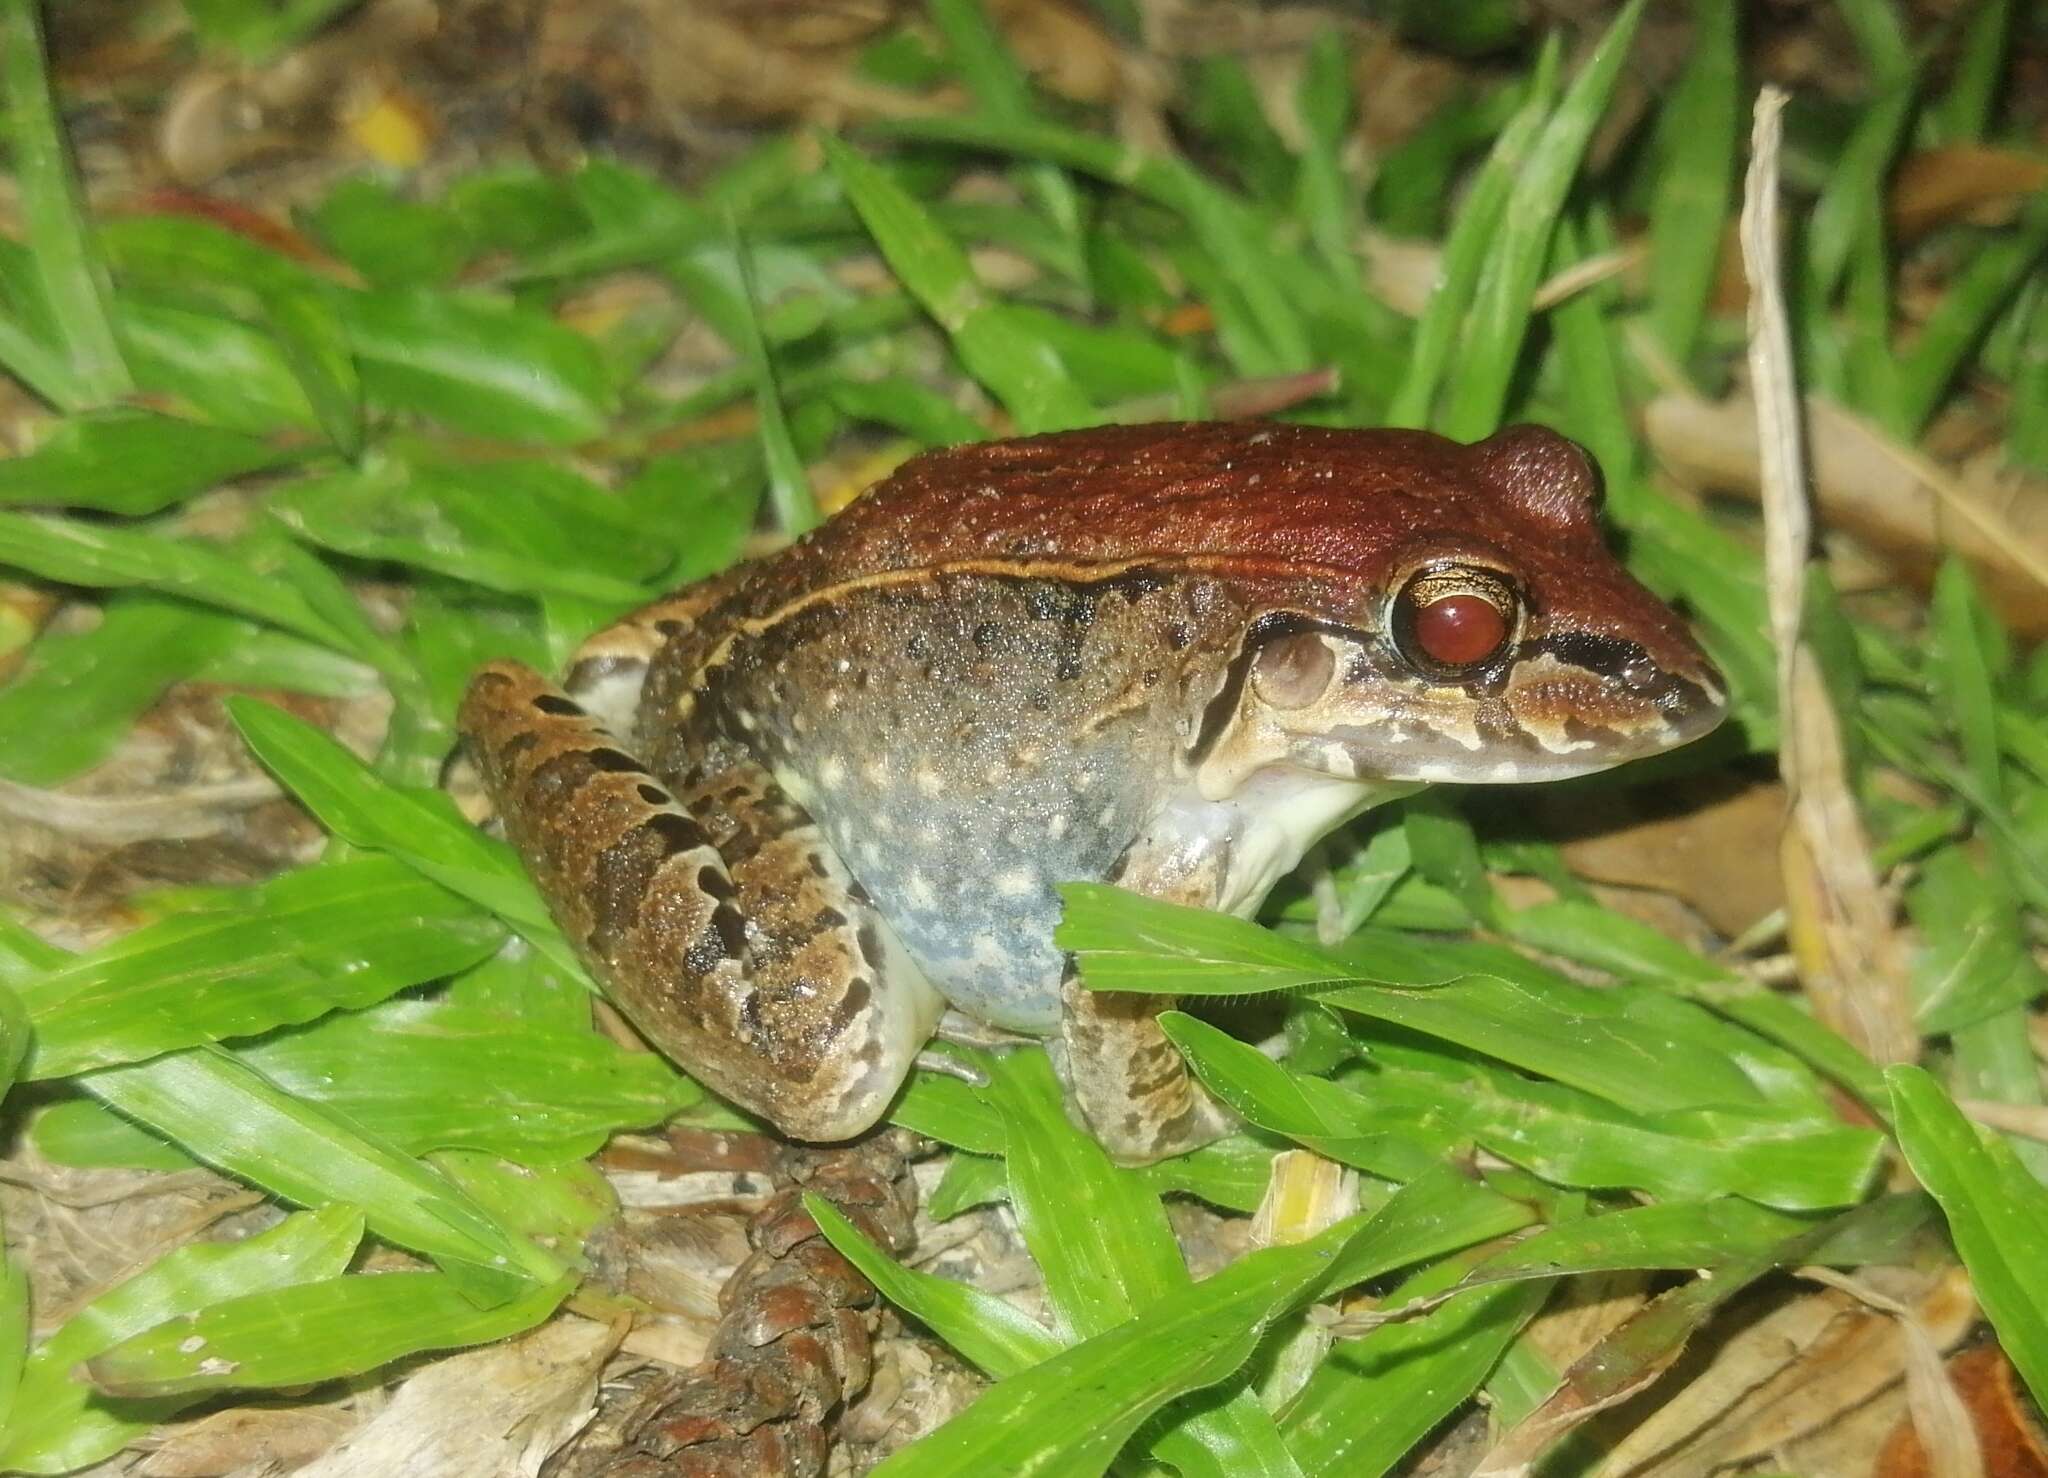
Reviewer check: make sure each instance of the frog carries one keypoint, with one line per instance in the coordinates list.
(795, 814)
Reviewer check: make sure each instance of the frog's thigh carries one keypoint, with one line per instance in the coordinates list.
(717, 921)
(1128, 1080)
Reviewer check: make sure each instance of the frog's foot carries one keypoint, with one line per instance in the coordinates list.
(718, 920)
(946, 1065)
(1129, 1081)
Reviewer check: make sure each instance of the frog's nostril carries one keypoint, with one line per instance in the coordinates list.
(1642, 674)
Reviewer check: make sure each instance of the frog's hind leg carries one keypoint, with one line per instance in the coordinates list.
(717, 919)
(609, 669)
(1122, 1072)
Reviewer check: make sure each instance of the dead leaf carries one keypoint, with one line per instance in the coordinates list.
(1788, 1374)
(1889, 498)
(1696, 839)
(1978, 183)
(242, 1438)
(500, 1410)
(2007, 1433)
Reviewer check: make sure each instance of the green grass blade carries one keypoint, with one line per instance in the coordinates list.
(1696, 149)
(64, 1423)
(221, 369)
(421, 829)
(315, 344)
(131, 462)
(1423, 1105)
(1583, 344)
(1498, 322)
(1071, 1414)
(71, 277)
(1974, 965)
(315, 1332)
(1994, 1058)
(1225, 230)
(429, 1075)
(1997, 1214)
(478, 366)
(908, 407)
(85, 1134)
(77, 693)
(996, 1336)
(313, 941)
(789, 490)
(1130, 943)
(1851, 198)
(1468, 248)
(226, 1114)
(15, 1315)
(1002, 89)
(1332, 1120)
(101, 556)
(525, 528)
(1327, 199)
(1964, 113)
(2027, 442)
(942, 1107)
(1097, 1234)
(1880, 33)
(1374, 1398)
(1016, 365)
(1959, 322)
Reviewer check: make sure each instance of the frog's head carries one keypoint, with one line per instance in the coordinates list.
(1474, 628)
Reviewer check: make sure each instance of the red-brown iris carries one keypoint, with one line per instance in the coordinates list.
(1458, 630)
(1452, 619)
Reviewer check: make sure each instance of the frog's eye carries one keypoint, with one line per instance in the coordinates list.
(1449, 619)
(1293, 671)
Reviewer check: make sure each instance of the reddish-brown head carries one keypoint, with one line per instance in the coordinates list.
(1423, 610)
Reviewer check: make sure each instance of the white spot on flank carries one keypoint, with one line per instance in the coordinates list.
(1015, 883)
(921, 895)
(1107, 817)
(877, 772)
(1056, 828)
(747, 720)
(882, 825)
(832, 774)
(988, 950)
(844, 664)
(927, 780)
(832, 700)
(995, 774)
(871, 854)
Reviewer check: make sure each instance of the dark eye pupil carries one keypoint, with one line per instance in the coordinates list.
(1459, 630)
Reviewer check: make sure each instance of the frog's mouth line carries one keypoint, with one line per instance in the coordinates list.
(1554, 707)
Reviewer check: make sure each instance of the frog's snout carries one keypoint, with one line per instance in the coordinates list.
(1587, 703)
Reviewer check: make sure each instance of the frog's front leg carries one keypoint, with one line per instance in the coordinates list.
(716, 917)
(1128, 1080)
